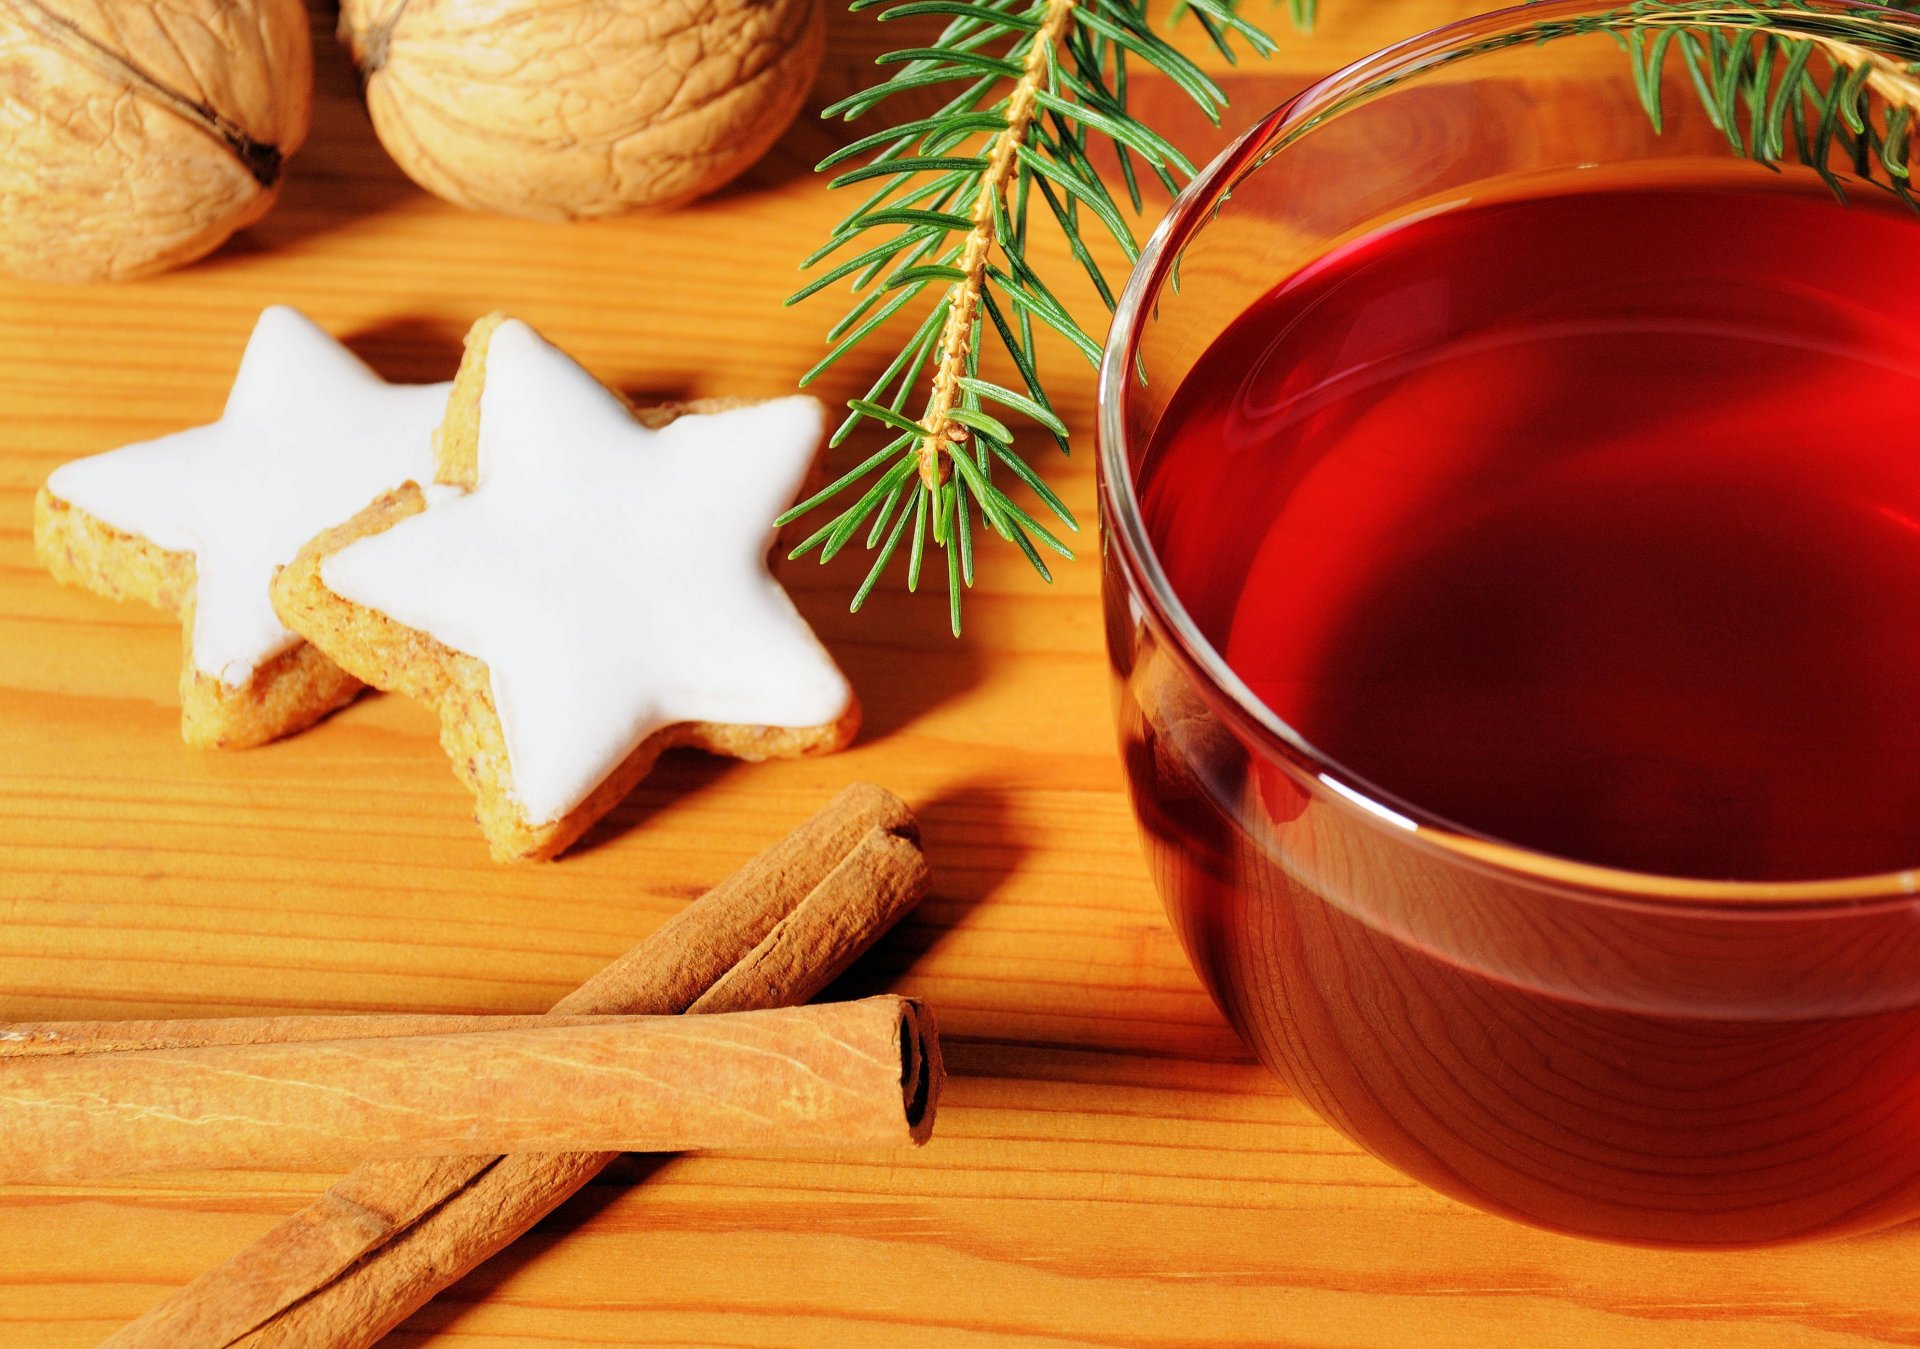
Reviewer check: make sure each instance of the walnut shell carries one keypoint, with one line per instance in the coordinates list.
(564, 109)
(137, 135)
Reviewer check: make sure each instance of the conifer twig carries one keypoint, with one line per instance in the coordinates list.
(948, 225)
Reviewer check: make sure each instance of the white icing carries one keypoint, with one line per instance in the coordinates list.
(612, 578)
(310, 435)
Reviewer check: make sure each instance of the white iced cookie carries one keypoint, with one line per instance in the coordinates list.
(197, 522)
(598, 593)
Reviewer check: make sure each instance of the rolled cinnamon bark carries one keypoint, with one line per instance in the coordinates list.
(379, 1244)
(855, 1074)
(38, 1039)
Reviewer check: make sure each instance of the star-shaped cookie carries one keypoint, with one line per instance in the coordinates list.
(597, 592)
(197, 522)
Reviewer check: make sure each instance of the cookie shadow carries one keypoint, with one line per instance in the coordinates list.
(410, 350)
(658, 392)
(418, 350)
(899, 651)
(675, 776)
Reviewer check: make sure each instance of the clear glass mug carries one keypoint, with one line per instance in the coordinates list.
(1613, 1054)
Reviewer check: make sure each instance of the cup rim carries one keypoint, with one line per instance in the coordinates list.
(1124, 529)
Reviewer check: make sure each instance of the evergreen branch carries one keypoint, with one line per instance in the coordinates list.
(949, 208)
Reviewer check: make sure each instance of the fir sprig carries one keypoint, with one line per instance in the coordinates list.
(1795, 80)
(947, 227)
(1783, 80)
(1036, 82)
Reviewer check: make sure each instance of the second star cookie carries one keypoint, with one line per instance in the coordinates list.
(596, 591)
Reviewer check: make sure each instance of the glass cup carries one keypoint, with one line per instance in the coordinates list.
(1614, 1054)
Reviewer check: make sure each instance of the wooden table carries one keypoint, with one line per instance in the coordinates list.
(1110, 1166)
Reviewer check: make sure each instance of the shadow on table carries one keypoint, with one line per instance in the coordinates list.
(410, 350)
(972, 844)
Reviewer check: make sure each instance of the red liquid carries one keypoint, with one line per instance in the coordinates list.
(1587, 522)
(1591, 523)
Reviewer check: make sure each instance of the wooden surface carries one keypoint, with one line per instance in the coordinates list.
(1110, 1166)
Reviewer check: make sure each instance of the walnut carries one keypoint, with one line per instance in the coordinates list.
(563, 109)
(137, 135)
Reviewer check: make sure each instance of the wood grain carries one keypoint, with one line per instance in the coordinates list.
(1110, 1167)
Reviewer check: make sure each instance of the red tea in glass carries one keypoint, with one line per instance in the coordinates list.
(1520, 687)
(1587, 521)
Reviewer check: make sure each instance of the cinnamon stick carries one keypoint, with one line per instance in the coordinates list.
(383, 1241)
(43, 1039)
(852, 1074)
